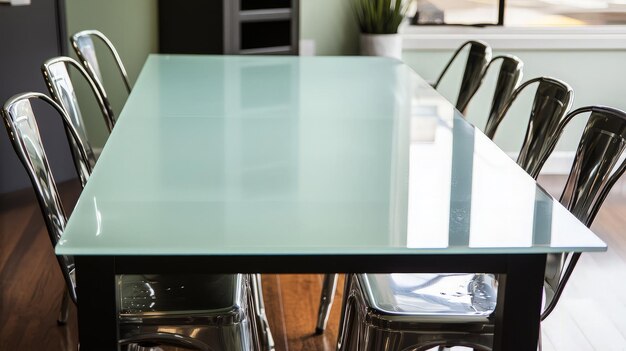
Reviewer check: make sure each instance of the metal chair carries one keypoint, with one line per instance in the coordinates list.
(509, 77)
(475, 66)
(83, 45)
(212, 312)
(595, 170)
(374, 320)
(56, 74)
(552, 100)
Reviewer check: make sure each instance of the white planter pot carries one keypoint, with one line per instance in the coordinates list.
(388, 45)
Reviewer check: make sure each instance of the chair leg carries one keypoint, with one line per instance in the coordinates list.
(257, 292)
(343, 322)
(65, 309)
(326, 301)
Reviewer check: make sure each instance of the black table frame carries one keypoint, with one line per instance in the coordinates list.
(517, 314)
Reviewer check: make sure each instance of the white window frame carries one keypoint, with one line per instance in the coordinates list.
(611, 37)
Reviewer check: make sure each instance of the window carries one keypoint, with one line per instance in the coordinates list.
(462, 12)
(548, 13)
(520, 13)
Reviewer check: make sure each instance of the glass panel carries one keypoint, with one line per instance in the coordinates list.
(367, 159)
(467, 12)
(549, 13)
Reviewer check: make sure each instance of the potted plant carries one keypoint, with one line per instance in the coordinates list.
(379, 21)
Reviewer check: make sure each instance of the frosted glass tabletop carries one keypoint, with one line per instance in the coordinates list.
(219, 155)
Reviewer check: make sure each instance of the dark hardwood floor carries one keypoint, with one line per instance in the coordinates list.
(31, 284)
(31, 287)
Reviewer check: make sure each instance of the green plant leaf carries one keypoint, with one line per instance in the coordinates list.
(380, 16)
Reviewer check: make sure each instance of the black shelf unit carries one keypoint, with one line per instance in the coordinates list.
(229, 27)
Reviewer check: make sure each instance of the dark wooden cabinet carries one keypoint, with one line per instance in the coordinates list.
(229, 27)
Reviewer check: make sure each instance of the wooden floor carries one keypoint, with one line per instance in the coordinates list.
(591, 315)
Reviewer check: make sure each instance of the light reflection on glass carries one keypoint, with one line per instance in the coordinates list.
(571, 232)
(496, 221)
(430, 147)
(98, 217)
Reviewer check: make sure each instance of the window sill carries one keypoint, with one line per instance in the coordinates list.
(509, 38)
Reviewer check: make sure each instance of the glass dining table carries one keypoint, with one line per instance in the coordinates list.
(251, 164)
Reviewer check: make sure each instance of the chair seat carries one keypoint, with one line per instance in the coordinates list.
(455, 297)
(186, 296)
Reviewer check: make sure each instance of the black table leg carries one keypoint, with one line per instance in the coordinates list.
(519, 303)
(97, 312)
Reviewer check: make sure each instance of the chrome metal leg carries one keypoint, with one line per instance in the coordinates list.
(344, 306)
(65, 309)
(257, 293)
(326, 301)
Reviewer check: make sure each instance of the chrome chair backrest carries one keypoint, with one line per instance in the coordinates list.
(22, 127)
(599, 150)
(552, 101)
(85, 49)
(595, 170)
(509, 77)
(56, 75)
(476, 64)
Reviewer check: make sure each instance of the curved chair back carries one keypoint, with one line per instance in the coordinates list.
(595, 170)
(553, 99)
(24, 134)
(83, 45)
(477, 61)
(509, 77)
(56, 75)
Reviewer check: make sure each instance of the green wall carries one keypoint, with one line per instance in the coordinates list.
(331, 24)
(132, 27)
